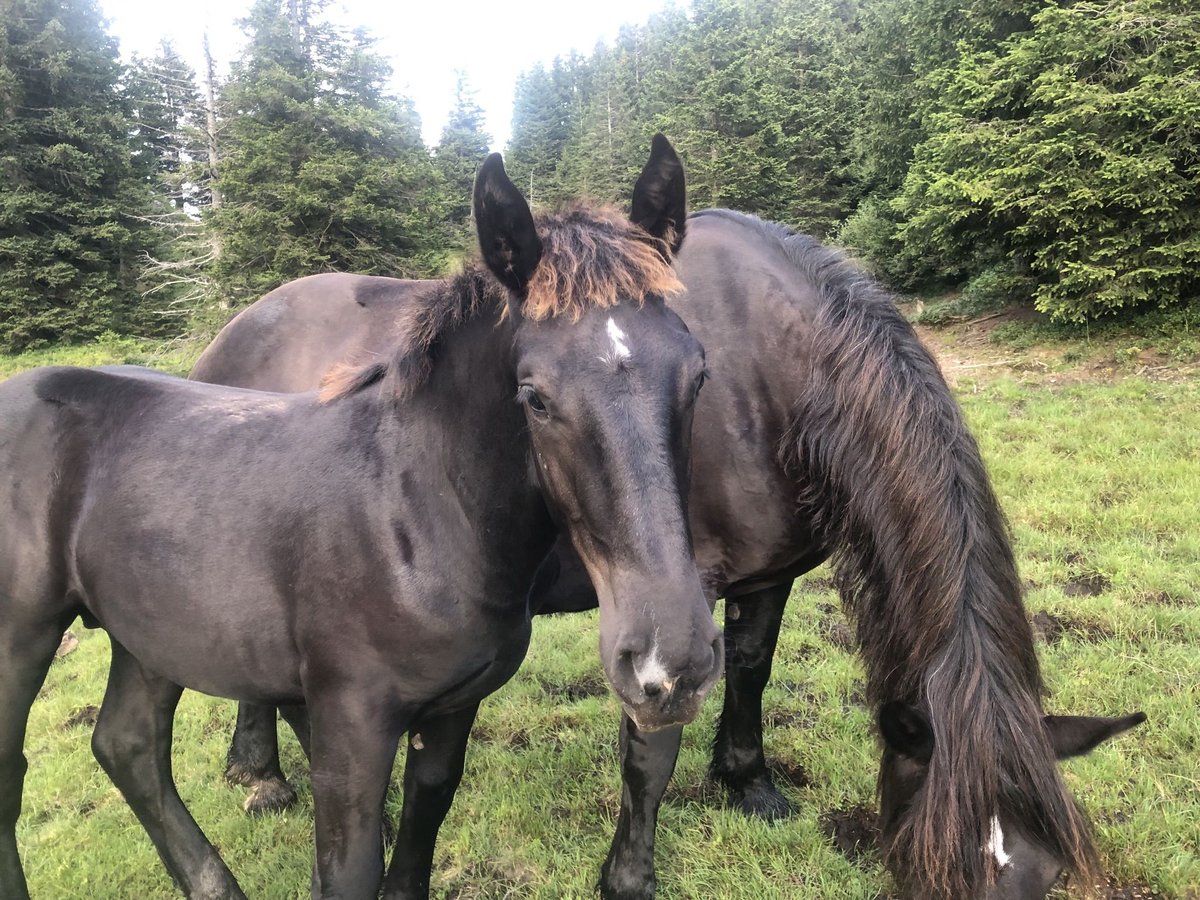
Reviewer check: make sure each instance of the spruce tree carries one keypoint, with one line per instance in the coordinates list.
(322, 169)
(72, 211)
(1066, 152)
(464, 144)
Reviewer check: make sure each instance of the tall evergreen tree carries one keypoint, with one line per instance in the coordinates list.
(322, 169)
(1068, 150)
(173, 156)
(462, 147)
(169, 114)
(71, 226)
(541, 126)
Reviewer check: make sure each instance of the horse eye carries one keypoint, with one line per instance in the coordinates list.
(531, 399)
(704, 376)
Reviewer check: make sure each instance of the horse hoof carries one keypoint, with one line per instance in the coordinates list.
(270, 796)
(638, 892)
(761, 800)
(625, 887)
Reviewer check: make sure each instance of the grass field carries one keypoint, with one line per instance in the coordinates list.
(1098, 468)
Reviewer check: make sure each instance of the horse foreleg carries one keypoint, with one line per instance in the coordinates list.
(296, 715)
(253, 760)
(25, 656)
(132, 742)
(751, 632)
(647, 761)
(354, 738)
(436, 751)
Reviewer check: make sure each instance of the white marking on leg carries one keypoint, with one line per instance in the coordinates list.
(995, 844)
(620, 349)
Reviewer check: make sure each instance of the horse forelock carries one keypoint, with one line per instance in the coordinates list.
(592, 257)
(895, 482)
(595, 257)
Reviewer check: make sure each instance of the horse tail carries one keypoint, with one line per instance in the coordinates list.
(894, 479)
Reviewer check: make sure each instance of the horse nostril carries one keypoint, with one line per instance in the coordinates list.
(652, 688)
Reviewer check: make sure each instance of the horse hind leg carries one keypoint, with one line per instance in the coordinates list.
(751, 632)
(253, 760)
(132, 742)
(26, 651)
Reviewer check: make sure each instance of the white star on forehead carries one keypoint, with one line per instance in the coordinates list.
(620, 349)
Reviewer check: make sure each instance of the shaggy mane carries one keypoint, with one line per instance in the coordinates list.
(921, 552)
(592, 257)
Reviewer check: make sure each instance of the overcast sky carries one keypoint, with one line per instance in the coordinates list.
(425, 41)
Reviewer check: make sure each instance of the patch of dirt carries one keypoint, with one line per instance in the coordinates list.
(789, 773)
(487, 879)
(1087, 584)
(1051, 629)
(702, 793)
(1162, 598)
(482, 734)
(858, 693)
(854, 832)
(838, 634)
(817, 585)
(574, 691)
(1114, 891)
(787, 718)
(87, 715)
(834, 629)
(968, 348)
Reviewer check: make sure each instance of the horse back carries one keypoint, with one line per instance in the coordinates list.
(287, 340)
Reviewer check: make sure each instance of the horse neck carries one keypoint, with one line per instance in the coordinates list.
(466, 409)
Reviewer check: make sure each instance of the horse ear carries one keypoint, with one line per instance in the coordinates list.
(660, 195)
(507, 236)
(1077, 735)
(906, 731)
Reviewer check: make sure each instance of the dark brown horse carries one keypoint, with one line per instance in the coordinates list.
(827, 429)
(368, 553)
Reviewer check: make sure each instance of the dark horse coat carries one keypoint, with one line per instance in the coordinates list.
(368, 553)
(826, 429)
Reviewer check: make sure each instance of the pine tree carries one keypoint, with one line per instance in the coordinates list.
(173, 158)
(464, 144)
(1067, 151)
(322, 170)
(72, 222)
(541, 126)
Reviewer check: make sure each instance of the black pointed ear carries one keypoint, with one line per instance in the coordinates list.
(1077, 735)
(660, 195)
(906, 731)
(507, 236)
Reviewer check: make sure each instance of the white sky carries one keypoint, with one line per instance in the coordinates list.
(425, 41)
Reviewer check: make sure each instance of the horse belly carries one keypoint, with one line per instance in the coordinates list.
(210, 630)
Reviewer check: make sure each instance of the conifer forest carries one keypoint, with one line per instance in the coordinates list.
(1021, 150)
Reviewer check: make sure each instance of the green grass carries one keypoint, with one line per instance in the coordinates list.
(174, 356)
(1102, 485)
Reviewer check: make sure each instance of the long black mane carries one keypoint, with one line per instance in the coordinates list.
(894, 480)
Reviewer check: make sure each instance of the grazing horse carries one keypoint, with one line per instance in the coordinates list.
(827, 430)
(368, 552)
